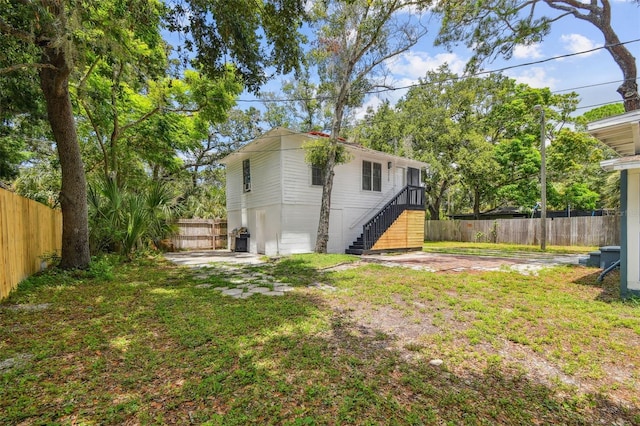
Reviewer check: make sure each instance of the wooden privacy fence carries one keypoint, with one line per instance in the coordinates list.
(28, 230)
(199, 234)
(574, 231)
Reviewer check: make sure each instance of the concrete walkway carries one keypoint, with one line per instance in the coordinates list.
(243, 282)
(207, 257)
(230, 266)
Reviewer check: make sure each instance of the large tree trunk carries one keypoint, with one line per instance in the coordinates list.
(476, 203)
(600, 17)
(73, 196)
(627, 63)
(322, 236)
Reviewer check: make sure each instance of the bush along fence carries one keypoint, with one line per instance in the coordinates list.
(574, 231)
(30, 233)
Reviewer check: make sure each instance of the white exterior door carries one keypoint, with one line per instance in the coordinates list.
(401, 178)
(336, 232)
(260, 231)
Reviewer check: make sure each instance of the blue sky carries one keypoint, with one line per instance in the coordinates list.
(568, 35)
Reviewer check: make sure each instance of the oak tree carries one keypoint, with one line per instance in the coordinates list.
(354, 39)
(495, 27)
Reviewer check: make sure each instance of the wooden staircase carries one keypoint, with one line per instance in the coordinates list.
(409, 198)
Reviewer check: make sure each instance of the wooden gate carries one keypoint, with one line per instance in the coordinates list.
(200, 234)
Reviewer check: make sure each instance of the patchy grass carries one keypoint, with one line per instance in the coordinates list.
(141, 343)
(493, 249)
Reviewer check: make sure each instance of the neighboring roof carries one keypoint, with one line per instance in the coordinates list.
(277, 132)
(620, 132)
(624, 163)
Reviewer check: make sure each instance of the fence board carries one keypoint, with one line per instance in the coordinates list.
(574, 231)
(28, 230)
(200, 234)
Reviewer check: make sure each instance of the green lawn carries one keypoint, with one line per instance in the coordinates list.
(146, 343)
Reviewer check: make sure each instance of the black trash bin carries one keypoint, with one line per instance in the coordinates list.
(242, 244)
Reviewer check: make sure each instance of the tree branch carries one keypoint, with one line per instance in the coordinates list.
(16, 67)
(19, 34)
(139, 120)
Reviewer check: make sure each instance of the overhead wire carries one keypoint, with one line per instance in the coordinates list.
(478, 73)
(456, 78)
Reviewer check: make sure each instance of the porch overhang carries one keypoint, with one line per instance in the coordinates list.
(620, 132)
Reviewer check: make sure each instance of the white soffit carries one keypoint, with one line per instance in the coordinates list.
(620, 132)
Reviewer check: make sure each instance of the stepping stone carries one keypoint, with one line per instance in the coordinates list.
(236, 281)
(260, 290)
(29, 307)
(282, 288)
(221, 288)
(244, 296)
(201, 276)
(232, 292)
(274, 293)
(325, 287)
(17, 361)
(204, 285)
(243, 285)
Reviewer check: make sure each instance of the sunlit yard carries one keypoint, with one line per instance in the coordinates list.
(147, 343)
(484, 249)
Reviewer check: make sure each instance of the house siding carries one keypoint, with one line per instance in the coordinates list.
(632, 218)
(282, 189)
(356, 205)
(265, 194)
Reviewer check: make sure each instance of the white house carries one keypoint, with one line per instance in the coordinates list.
(622, 133)
(276, 195)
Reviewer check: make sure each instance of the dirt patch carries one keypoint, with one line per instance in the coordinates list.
(413, 329)
(439, 262)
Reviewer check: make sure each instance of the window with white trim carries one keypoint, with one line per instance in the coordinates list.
(371, 176)
(246, 176)
(317, 175)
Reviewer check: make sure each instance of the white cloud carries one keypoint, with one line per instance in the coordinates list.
(414, 65)
(527, 52)
(373, 102)
(405, 70)
(535, 77)
(577, 43)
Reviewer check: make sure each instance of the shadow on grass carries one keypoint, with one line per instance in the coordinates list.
(295, 270)
(429, 394)
(151, 348)
(610, 285)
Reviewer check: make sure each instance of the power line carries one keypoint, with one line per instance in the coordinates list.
(587, 86)
(498, 70)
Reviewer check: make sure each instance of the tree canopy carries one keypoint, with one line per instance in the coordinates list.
(495, 27)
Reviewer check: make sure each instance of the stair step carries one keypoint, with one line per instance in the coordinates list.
(354, 251)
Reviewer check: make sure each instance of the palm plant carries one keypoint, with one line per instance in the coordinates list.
(124, 221)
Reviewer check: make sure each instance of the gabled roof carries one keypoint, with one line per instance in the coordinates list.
(620, 132)
(275, 133)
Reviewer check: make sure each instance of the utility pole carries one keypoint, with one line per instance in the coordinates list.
(543, 181)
